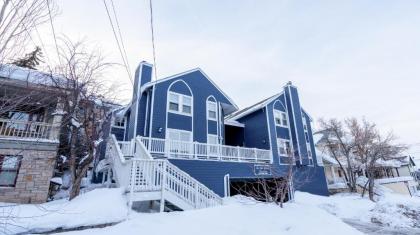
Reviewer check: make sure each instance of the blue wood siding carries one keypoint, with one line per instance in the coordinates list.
(256, 130)
(201, 89)
(118, 132)
(211, 174)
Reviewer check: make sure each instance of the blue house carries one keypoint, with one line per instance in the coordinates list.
(187, 119)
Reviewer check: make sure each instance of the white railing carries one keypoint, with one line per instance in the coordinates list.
(27, 129)
(143, 174)
(120, 166)
(203, 151)
(157, 175)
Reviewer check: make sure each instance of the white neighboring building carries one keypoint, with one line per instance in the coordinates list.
(396, 175)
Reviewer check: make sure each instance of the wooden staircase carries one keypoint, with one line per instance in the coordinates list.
(148, 179)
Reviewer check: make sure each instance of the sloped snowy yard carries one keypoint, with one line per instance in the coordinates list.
(392, 210)
(238, 216)
(309, 214)
(98, 206)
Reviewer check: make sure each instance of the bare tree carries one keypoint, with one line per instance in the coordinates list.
(18, 19)
(83, 88)
(370, 147)
(278, 185)
(338, 143)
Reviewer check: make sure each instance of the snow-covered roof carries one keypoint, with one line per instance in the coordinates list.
(234, 123)
(8, 71)
(243, 112)
(152, 83)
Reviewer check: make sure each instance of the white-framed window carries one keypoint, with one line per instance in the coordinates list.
(212, 139)
(179, 135)
(119, 122)
(9, 168)
(280, 118)
(211, 110)
(283, 146)
(180, 104)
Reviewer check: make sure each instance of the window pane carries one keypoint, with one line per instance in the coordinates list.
(278, 121)
(173, 135)
(186, 100)
(212, 139)
(211, 106)
(185, 136)
(173, 106)
(284, 119)
(186, 109)
(7, 178)
(212, 114)
(173, 98)
(9, 162)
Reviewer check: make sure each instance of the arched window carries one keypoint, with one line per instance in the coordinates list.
(211, 108)
(180, 99)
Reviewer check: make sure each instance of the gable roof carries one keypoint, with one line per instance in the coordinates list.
(243, 112)
(152, 83)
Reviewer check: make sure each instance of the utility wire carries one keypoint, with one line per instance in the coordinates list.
(118, 43)
(120, 34)
(153, 37)
(53, 31)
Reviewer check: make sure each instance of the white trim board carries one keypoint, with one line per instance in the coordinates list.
(149, 84)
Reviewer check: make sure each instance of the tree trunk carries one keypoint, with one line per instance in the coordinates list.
(75, 189)
(371, 187)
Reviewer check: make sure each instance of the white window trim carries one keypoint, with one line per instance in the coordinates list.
(278, 113)
(180, 104)
(278, 147)
(121, 127)
(212, 135)
(178, 130)
(207, 110)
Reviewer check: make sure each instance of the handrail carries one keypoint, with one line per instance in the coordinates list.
(142, 173)
(155, 175)
(120, 168)
(203, 151)
(27, 129)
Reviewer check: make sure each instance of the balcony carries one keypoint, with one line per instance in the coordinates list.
(198, 151)
(28, 130)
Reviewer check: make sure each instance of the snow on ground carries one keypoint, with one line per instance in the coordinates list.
(238, 216)
(95, 207)
(392, 210)
(308, 214)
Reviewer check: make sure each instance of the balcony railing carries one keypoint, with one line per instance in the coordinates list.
(199, 151)
(27, 130)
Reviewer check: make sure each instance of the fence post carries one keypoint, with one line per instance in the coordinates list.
(163, 185)
(255, 155)
(132, 181)
(195, 156)
(238, 154)
(196, 195)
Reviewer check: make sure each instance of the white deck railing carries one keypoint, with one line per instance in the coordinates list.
(27, 129)
(155, 175)
(142, 174)
(199, 151)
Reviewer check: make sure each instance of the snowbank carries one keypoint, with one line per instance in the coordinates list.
(237, 216)
(96, 207)
(392, 210)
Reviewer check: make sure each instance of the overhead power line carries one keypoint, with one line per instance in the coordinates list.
(153, 37)
(120, 34)
(118, 43)
(53, 30)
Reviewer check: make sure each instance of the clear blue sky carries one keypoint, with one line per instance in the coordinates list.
(348, 58)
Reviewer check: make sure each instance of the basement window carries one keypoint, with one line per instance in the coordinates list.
(9, 168)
